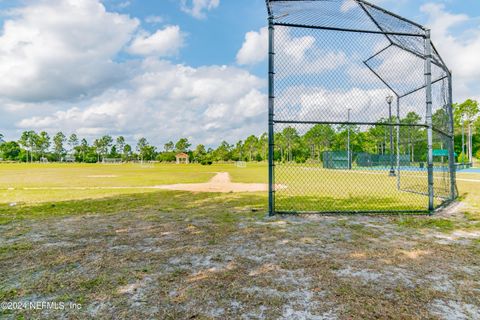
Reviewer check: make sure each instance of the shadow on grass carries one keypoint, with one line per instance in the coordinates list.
(220, 206)
(386, 205)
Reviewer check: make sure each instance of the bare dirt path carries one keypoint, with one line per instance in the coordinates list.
(221, 182)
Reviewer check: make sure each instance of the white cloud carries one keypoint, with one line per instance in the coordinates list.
(302, 55)
(297, 54)
(255, 48)
(460, 51)
(348, 5)
(123, 5)
(165, 101)
(61, 49)
(154, 19)
(327, 104)
(57, 73)
(197, 8)
(163, 43)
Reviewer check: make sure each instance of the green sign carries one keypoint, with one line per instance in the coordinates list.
(440, 153)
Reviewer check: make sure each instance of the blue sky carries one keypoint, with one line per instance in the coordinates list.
(165, 69)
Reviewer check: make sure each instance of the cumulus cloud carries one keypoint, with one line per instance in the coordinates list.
(312, 103)
(61, 49)
(255, 48)
(164, 101)
(163, 43)
(154, 19)
(197, 8)
(303, 55)
(297, 54)
(460, 51)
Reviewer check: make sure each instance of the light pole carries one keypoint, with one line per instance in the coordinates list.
(470, 142)
(389, 101)
(348, 140)
(463, 141)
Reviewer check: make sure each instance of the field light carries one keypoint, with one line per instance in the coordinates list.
(389, 99)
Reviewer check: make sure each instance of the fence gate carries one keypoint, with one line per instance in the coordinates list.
(360, 111)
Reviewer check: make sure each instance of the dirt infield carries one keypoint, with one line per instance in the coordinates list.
(219, 183)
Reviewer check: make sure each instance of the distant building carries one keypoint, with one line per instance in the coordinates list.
(182, 158)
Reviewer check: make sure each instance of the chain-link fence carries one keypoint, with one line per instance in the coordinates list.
(360, 111)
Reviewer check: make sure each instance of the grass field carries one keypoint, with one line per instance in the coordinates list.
(34, 183)
(311, 185)
(96, 235)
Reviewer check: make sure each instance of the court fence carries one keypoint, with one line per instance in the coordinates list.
(360, 111)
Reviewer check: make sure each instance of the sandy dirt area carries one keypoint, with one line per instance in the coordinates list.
(221, 182)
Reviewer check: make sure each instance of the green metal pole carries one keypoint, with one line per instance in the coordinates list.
(271, 54)
(428, 80)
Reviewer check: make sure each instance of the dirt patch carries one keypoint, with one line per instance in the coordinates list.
(221, 182)
(216, 260)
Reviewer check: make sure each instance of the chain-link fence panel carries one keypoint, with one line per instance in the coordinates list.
(360, 111)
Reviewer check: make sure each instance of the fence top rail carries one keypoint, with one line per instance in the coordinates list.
(305, 26)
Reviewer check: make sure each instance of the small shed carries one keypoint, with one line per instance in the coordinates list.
(182, 158)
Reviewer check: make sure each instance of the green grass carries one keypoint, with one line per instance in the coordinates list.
(33, 183)
(159, 201)
(194, 253)
(300, 187)
(432, 223)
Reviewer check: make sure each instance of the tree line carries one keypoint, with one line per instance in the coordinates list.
(291, 144)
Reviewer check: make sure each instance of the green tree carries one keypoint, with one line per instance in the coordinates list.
(127, 152)
(83, 148)
(182, 145)
(120, 145)
(73, 142)
(42, 143)
(58, 141)
(98, 147)
(412, 132)
(145, 150)
(238, 151)
(199, 153)
(319, 138)
(291, 139)
(263, 145)
(10, 150)
(169, 146)
(251, 144)
(223, 152)
(465, 115)
(107, 142)
(27, 141)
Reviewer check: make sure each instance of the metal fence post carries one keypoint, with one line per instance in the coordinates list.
(398, 143)
(428, 83)
(271, 190)
(451, 145)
